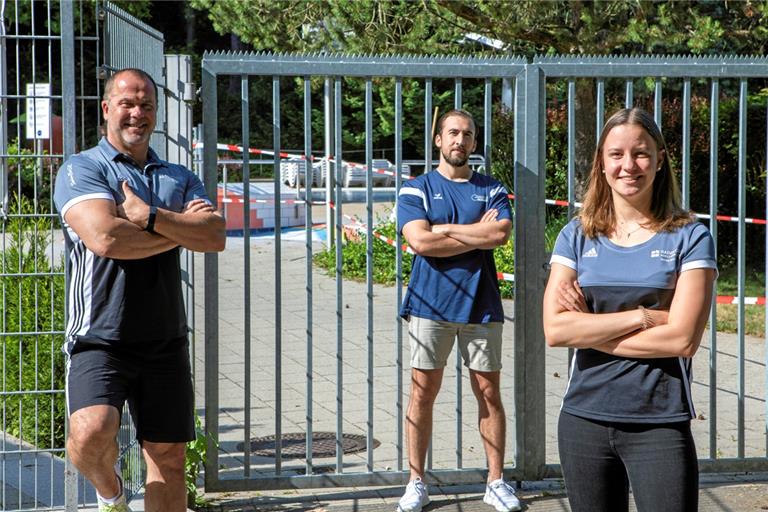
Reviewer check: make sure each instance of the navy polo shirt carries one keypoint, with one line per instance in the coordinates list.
(114, 300)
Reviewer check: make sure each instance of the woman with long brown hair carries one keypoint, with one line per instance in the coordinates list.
(630, 288)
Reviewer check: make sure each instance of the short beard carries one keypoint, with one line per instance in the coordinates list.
(456, 162)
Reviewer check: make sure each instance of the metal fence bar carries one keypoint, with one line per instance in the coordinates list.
(276, 145)
(629, 99)
(457, 104)
(686, 149)
(428, 128)
(339, 281)
(571, 147)
(399, 272)
(309, 175)
(487, 125)
(657, 104)
(369, 265)
(600, 107)
(714, 125)
(741, 262)
(245, 109)
(765, 308)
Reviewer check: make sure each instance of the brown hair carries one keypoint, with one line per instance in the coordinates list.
(597, 214)
(458, 113)
(110, 83)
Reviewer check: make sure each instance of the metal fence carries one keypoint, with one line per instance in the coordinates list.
(300, 365)
(53, 57)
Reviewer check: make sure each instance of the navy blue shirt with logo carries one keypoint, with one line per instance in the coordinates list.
(462, 288)
(614, 278)
(113, 300)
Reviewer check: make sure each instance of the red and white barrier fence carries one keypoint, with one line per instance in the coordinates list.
(503, 276)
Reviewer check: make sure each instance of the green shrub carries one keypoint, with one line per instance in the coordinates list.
(354, 257)
(32, 365)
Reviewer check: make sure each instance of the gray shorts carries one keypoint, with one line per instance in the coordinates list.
(432, 342)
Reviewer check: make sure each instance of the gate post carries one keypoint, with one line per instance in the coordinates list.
(68, 109)
(530, 272)
(211, 282)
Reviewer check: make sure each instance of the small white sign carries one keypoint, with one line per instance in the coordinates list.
(38, 111)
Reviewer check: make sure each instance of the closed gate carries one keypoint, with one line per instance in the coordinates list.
(304, 373)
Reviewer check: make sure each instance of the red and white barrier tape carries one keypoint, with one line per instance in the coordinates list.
(727, 218)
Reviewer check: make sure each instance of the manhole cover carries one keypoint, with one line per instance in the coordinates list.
(294, 445)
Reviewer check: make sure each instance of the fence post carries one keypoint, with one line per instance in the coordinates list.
(68, 109)
(530, 272)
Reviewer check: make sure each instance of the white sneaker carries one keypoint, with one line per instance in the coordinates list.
(500, 495)
(415, 497)
(116, 504)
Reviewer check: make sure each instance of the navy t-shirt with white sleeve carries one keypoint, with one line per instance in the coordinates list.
(462, 288)
(614, 278)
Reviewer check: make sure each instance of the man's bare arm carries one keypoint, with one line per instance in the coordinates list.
(451, 239)
(489, 233)
(198, 228)
(106, 234)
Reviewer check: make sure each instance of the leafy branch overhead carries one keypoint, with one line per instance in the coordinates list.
(522, 27)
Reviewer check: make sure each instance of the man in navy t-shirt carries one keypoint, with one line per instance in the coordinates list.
(453, 218)
(125, 214)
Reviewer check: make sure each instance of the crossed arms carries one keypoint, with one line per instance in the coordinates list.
(673, 333)
(442, 240)
(118, 232)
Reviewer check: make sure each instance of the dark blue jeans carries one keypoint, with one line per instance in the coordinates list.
(601, 460)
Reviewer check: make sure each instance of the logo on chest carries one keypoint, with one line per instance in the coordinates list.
(664, 254)
(591, 253)
(438, 195)
(479, 198)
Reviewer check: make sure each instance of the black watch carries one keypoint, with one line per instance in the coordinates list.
(151, 219)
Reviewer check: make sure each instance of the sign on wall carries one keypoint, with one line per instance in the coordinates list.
(38, 111)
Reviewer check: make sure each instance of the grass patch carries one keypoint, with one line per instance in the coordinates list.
(754, 316)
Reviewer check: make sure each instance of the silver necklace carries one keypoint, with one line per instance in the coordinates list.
(630, 233)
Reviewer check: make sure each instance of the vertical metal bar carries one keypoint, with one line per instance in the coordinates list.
(657, 105)
(629, 99)
(309, 176)
(399, 272)
(529, 266)
(328, 112)
(686, 149)
(4, 119)
(765, 290)
(428, 138)
(369, 261)
(765, 307)
(211, 280)
(339, 281)
(245, 141)
(488, 125)
(600, 107)
(68, 114)
(571, 146)
(276, 132)
(459, 406)
(428, 125)
(713, 168)
(741, 241)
